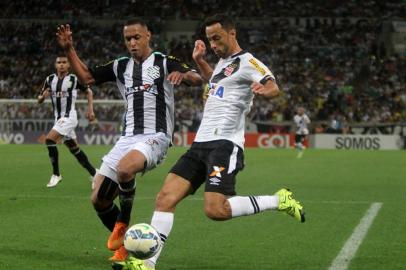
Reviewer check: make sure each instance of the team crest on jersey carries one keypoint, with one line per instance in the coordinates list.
(230, 69)
(227, 71)
(216, 90)
(153, 72)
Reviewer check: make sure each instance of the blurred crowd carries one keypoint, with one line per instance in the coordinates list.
(340, 73)
(195, 9)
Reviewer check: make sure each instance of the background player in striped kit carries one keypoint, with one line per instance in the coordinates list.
(146, 82)
(301, 120)
(62, 88)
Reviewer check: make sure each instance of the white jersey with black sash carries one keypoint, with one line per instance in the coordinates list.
(148, 94)
(63, 94)
(230, 98)
(301, 122)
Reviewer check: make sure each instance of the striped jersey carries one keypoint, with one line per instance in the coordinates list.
(63, 94)
(301, 122)
(230, 98)
(148, 94)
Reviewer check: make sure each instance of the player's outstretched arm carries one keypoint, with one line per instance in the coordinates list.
(270, 89)
(198, 56)
(90, 113)
(65, 41)
(189, 77)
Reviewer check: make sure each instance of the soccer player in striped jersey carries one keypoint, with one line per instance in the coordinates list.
(216, 155)
(62, 87)
(301, 120)
(146, 82)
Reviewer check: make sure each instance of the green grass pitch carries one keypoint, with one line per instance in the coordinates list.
(57, 228)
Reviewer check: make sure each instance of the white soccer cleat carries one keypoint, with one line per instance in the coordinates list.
(55, 179)
(93, 178)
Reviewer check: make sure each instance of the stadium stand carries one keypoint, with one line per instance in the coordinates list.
(338, 67)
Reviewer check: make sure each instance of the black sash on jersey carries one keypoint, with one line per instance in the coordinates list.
(227, 71)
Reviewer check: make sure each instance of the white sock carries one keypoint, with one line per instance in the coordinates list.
(249, 205)
(162, 222)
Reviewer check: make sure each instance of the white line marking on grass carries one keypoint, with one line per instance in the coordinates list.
(191, 198)
(343, 259)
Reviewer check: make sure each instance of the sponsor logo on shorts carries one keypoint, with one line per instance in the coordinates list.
(152, 142)
(217, 171)
(214, 181)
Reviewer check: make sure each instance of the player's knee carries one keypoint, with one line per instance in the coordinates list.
(216, 212)
(165, 202)
(49, 142)
(124, 172)
(71, 144)
(105, 193)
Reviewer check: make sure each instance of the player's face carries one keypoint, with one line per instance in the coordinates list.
(136, 38)
(220, 39)
(62, 64)
(301, 111)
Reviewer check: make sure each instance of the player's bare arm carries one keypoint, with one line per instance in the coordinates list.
(190, 77)
(43, 95)
(65, 41)
(199, 52)
(270, 89)
(90, 113)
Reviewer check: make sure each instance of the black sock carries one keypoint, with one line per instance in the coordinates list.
(108, 216)
(53, 155)
(82, 158)
(126, 195)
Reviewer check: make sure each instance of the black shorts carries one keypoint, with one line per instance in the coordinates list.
(215, 163)
(299, 138)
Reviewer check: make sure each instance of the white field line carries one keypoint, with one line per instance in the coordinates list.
(191, 198)
(343, 259)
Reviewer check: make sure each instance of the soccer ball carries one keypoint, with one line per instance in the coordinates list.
(142, 241)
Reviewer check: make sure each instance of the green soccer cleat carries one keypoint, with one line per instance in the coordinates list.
(289, 205)
(131, 264)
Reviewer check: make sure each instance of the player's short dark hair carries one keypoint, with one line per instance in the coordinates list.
(133, 21)
(226, 21)
(61, 54)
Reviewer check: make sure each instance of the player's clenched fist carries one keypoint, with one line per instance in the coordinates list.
(199, 51)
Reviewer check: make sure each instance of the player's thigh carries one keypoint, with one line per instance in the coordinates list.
(66, 127)
(54, 135)
(133, 162)
(224, 162)
(191, 167)
(174, 189)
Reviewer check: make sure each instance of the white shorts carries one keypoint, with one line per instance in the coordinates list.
(153, 146)
(66, 127)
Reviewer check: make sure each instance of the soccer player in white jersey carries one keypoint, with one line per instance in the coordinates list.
(146, 81)
(301, 120)
(216, 155)
(62, 88)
